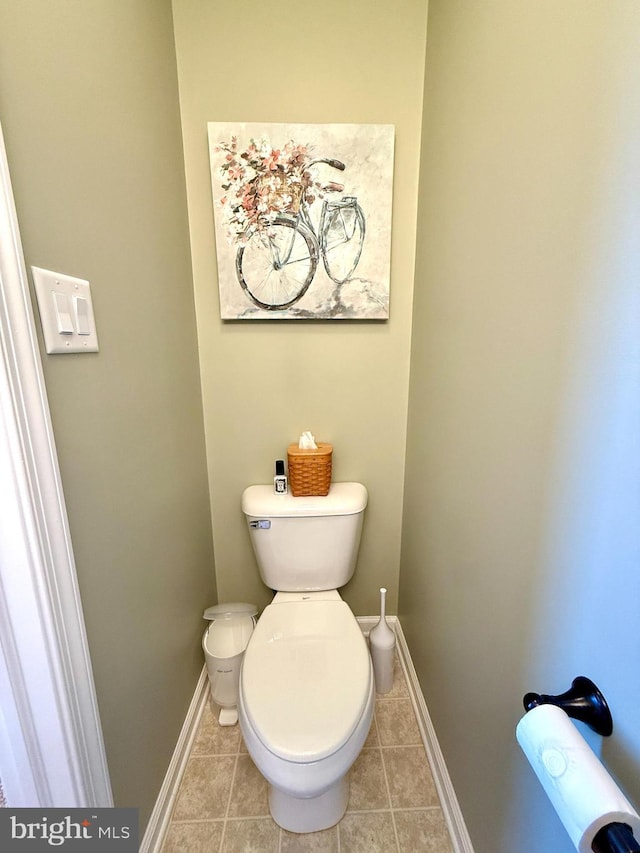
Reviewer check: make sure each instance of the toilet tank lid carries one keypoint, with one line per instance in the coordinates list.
(343, 499)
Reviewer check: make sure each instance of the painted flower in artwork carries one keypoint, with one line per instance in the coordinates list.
(262, 182)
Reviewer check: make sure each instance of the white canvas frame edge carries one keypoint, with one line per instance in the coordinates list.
(226, 313)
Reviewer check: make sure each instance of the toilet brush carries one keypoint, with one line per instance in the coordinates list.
(382, 643)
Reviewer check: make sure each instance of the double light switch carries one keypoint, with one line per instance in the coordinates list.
(66, 312)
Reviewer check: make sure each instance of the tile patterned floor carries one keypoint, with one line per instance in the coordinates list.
(222, 805)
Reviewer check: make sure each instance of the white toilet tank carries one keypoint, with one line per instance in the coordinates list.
(305, 543)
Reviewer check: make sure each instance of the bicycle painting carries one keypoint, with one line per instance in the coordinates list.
(293, 241)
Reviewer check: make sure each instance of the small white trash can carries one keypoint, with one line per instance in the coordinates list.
(224, 642)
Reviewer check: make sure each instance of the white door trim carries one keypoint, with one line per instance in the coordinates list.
(48, 710)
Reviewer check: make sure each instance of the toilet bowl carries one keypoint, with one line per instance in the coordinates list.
(306, 684)
(305, 705)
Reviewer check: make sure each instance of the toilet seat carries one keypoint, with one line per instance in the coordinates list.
(306, 678)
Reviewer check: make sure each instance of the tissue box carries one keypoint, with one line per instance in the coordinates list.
(310, 470)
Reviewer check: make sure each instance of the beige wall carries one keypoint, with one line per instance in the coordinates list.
(88, 101)
(520, 544)
(264, 382)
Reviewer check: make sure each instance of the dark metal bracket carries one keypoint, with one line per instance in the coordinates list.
(615, 838)
(583, 701)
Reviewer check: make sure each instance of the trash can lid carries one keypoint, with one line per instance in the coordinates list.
(236, 608)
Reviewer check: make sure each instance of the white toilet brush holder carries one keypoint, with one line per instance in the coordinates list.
(382, 644)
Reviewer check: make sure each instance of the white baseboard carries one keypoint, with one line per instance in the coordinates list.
(460, 840)
(161, 814)
(159, 820)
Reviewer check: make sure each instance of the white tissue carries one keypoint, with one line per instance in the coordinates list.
(583, 794)
(307, 441)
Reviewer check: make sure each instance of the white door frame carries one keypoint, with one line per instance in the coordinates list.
(51, 745)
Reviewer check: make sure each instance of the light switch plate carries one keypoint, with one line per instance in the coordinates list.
(66, 312)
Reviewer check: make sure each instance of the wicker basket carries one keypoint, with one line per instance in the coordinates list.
(310, 470)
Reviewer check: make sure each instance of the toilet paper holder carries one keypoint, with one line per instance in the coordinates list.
(615, 838)
(583, 701)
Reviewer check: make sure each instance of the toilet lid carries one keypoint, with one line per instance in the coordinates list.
(306, 678)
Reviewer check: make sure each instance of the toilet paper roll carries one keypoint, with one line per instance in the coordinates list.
(581, 791)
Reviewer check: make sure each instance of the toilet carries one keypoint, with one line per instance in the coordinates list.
(306, 692)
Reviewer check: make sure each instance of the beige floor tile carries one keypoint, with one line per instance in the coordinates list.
(311, 842)
(410, 781)
(222, 804)
(205, 787)
(260, 835)
(399, 688)
(424, 830)
(199, 837)
(368, 789)
(214, 739)
(396, 723)
(367, 832)
(372, 737)
(250, 792)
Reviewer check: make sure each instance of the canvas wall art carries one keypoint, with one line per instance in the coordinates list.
(302, 217)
